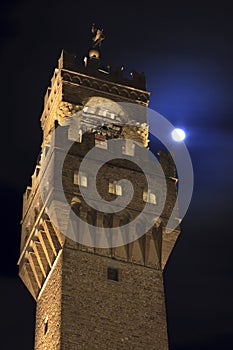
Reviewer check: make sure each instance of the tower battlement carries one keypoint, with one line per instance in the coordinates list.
(72, 86)
(93, 67)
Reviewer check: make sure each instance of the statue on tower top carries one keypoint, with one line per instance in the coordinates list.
(98, 35)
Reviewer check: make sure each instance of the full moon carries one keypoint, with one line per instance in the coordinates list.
(178, 135)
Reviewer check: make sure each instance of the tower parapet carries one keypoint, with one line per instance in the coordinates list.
(93, 67)
(73, 85)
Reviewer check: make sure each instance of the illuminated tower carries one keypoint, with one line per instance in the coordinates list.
(95, 298)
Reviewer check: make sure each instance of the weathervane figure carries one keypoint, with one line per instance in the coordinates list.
(99, 36)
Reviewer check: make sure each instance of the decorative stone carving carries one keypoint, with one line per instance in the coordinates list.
(66, 109)
(138, 134)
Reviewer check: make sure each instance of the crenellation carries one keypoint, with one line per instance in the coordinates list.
(72, 86)
(94, 68)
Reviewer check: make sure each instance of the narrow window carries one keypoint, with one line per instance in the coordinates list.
(76, 182)
(83, 180)
(118, 190)
(145, 195)
(36, 212)
(111, 187)
(46, 325)
(112, 274)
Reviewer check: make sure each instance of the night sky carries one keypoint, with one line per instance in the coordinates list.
(186, 52)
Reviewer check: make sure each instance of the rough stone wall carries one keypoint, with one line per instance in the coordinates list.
(49, 305)
(83, 308)
(98, 313)
(114, 171)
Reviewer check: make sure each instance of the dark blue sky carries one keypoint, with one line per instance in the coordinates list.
(186, 52)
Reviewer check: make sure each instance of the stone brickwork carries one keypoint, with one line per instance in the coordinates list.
(98, 313)
(81, 304)
(86, 310)
(49, 309)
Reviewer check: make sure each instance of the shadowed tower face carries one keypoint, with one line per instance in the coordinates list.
(90, 297)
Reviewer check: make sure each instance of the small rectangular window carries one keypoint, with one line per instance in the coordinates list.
(112, 274)
(76, 182)
(83, 180)
(114, 188)
(111, 187)
(149, 197)
(80, 179)
(152, 198)
(118, 190)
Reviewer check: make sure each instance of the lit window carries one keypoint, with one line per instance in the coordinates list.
(80, 179)
(76, 180)
(83, 180)
(111, 187)
(152, 198)
(149, 197)
(145, 195)
(114, 188)
(118, 190)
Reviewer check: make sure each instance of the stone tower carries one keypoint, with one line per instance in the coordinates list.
(87, 297)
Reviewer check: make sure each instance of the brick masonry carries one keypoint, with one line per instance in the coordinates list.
(49, 306)
(78, 307)
(86, 310)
